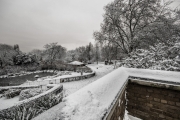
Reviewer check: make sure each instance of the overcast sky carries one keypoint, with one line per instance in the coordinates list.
(34, 23)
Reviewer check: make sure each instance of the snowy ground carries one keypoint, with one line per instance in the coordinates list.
(71, 87)
(100, 69)
(5, 103)
(93, 101)
(129, 117)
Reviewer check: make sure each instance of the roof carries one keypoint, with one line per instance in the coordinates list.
(76, 63)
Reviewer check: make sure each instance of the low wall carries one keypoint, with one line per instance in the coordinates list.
(117, 109)
(153, 101)
(29, 108)
(154, 96)
(147, 100)
(76, 78)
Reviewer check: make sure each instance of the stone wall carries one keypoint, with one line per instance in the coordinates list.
(29, 108)
(153, 103)
(76, 78)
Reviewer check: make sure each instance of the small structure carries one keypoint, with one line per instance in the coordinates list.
(76, 64)
(36, 76)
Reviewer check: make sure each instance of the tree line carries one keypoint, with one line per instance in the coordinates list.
(53, 56)
(137, 27)
(132, 30)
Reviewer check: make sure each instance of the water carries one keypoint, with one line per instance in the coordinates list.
(13, 81)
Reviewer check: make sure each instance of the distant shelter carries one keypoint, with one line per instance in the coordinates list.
(76, 64)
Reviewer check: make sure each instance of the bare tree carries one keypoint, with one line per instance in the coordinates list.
(89, 51)
(38, 54)
(127, 21)
(6, 55)
(53, 52)
(97, 54)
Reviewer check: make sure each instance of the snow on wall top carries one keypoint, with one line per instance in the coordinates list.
(92, 101)
(160, 75)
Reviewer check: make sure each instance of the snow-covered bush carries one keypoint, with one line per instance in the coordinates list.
(2, 90)
(159, 57)
(30, 109)
(12, 93)
(28, 93)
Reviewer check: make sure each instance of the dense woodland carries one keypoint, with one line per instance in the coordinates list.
(137, 33)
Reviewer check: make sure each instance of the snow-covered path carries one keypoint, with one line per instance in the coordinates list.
(100, 69)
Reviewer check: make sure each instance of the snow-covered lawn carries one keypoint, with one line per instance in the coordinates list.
(6, 103)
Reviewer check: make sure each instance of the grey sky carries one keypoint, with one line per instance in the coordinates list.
(34, 23)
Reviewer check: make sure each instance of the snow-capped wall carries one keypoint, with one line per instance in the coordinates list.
(29, 108)
(94, 100)
(102, 98)
(76, 78)
(152, 103)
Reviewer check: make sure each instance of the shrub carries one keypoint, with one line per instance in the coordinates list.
(28, 93)
(32, 109)
(12, 93)
(159, 59)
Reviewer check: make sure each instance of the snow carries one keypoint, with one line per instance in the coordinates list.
(42, 94)
(129, 117)
(21, 86)
(54, 79)
(71, 87)
(76, 63)
(6, 103)
(100, 70)
(159, 75)
(92, 101)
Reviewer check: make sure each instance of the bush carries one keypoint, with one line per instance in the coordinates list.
(32, 109)
(12, 93)
(157, 60)
(28, 93)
